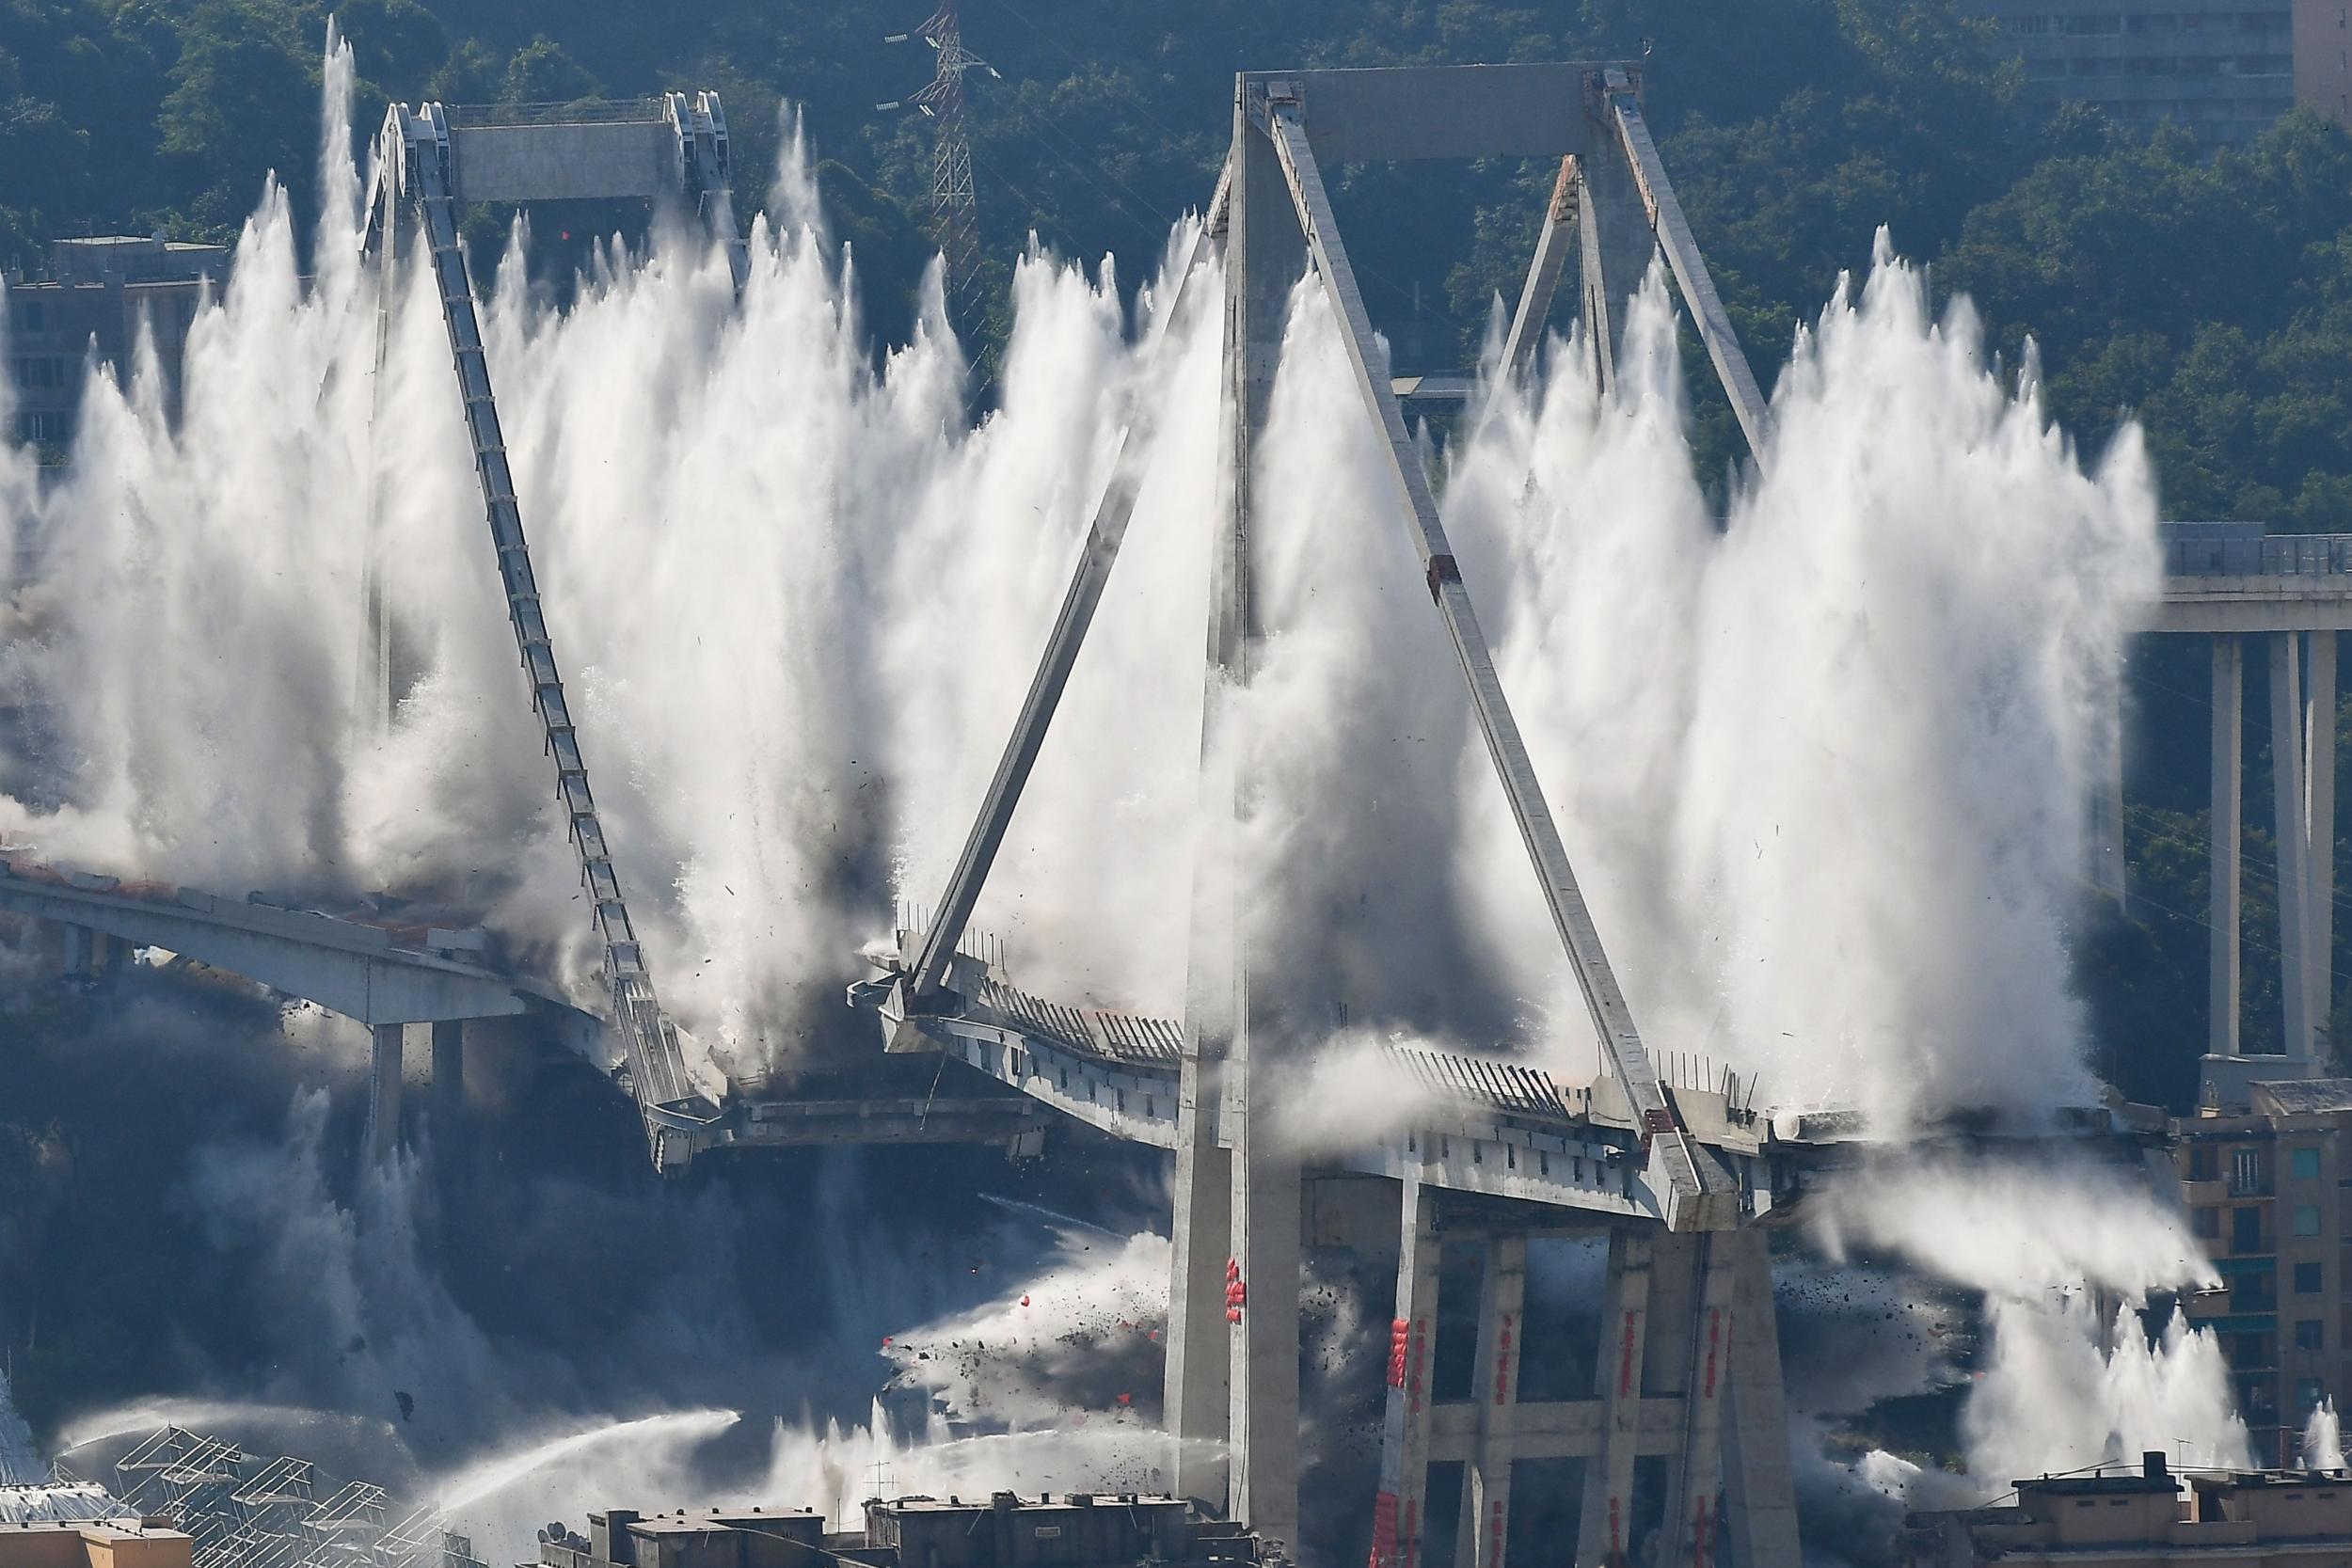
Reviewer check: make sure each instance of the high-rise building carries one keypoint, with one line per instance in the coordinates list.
(2224, 75)
(2265, 1190)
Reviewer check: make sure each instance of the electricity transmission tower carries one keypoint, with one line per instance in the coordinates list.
(942, 100)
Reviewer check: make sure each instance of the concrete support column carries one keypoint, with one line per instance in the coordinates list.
(1605, 1531)
(78, 943)
(1760, 1491)
(449, 1079)
(2107, 835)
(383, 1135)
(1197, 1385)
(1399, 1507)
(1264, 1406)
(2287, 772)
(2226, 835)
(1693, 1523)
(1486, 1512)
(1265, 253)
(2319, 818)
(1618, 244)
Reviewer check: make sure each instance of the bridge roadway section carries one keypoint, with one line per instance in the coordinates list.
(392, 967)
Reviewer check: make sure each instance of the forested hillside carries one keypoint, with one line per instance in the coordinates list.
(2210, 297)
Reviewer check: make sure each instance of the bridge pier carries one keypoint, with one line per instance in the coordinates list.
(2303, 686)
(1484, 1529)
(2319, 839)
(82, 952)
(2226, 830)
(1199, 1388)
(383, 1135)
(1399, 1508)
(2107, 837)
(449, 1080)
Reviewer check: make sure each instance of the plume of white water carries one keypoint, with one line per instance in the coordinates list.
(470, 1487)
(2064, 1385)
(837, 1468)
(1822, 769)
(2323, 1438)
(2052, 1399)
(1080, 1338)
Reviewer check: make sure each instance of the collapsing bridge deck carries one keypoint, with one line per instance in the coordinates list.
(1469, 1123)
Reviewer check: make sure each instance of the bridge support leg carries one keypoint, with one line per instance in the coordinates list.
(1485, 1532)
(2226, 830)
(1617, 246)
(1265, 253)
(2319, 822)
(80, 944)
(2287, 772)
(1759, 1489)
(449, 1078)
(384, 1091)
(2106, 837)
(1693, 1523)
(1197, 1384)
(1400, 1504)
(1604, 1532)
(1264, 1395)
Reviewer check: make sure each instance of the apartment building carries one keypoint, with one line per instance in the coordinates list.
(2225, 75)
(98, 296)
(2266, 1191)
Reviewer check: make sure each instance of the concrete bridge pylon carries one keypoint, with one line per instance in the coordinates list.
(1689, 1386)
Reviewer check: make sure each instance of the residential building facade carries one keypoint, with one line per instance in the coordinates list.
(2264, 1188)
(99, 294)
(2145, 1519)
(2225, 75)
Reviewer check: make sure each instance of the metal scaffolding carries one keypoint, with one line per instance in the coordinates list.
(252, 1511)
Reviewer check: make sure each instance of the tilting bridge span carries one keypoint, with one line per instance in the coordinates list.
(1681, 1175)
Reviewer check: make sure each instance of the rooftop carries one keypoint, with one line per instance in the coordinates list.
(2303, 1096)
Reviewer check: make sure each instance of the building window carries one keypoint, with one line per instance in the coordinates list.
(2200, 1163)
(2029, 24)
(2307, 1279)
(43, 427)
(2305, 1164)
(2207, 1223)
(2083, 26)
(2310, 1334)
(2265, 22)
(2245, 1170)
(28, 316)
(2308, 1391)
(2246, 1230)
(2307, 1219)
(2162, 21)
